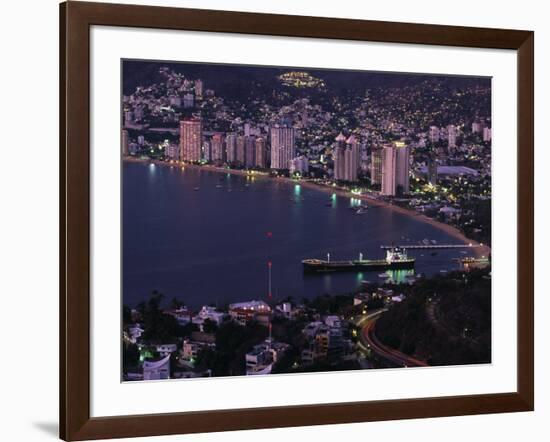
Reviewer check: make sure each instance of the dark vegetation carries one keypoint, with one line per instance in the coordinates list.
(233, 341)
(445, 320)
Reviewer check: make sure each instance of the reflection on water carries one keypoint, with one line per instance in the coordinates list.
(201, 236)
(401, 276)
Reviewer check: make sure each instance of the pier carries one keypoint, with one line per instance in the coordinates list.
(432, 246)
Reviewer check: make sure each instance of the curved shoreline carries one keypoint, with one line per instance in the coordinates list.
(479, 250)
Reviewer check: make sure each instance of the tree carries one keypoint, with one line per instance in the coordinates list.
(209, 326)
(159, 327)
(176, 304)
(207, 359)
(233, 341)
(439, 337)
(130, 356)
(126, 315)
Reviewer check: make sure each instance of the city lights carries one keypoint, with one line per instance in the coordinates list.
(384, 281)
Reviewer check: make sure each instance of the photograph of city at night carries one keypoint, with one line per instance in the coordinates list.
(297, 220)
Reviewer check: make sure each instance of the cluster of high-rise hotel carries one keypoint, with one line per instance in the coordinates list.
(243, 150)
(389, 163)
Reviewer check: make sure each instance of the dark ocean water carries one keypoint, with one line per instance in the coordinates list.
(210, 245)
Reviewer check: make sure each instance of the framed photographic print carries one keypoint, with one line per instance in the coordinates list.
(272, 221)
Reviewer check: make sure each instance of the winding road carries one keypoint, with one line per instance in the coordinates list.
(370, 340)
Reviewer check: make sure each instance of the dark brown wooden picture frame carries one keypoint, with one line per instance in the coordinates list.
(75, 21)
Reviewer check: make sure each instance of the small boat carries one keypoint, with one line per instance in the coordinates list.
(443, 271)
(196, 188)
(361, 211)
(365, 282)
(218, 186)
(383, 275)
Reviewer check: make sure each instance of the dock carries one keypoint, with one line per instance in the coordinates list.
(432, 246)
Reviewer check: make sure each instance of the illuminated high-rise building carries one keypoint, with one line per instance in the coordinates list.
(241, 151)
(218, 154)
(339, 157)
(198, 88)
(402, 167)
(395, 169)
(206, 150)
(190, 139)
(346, 158)
(388, 170)
(376, 165)
(451, 137)
(125, 143)
(282, 146)
(231, 148)
(250, 151)
(487, 134)
(261, 153)
(351, 156)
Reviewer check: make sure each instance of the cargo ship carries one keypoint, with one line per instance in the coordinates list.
(396, 258)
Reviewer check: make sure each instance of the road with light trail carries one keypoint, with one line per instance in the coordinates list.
(368, 339)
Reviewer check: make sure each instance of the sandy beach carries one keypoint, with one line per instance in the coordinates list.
(478, 249)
